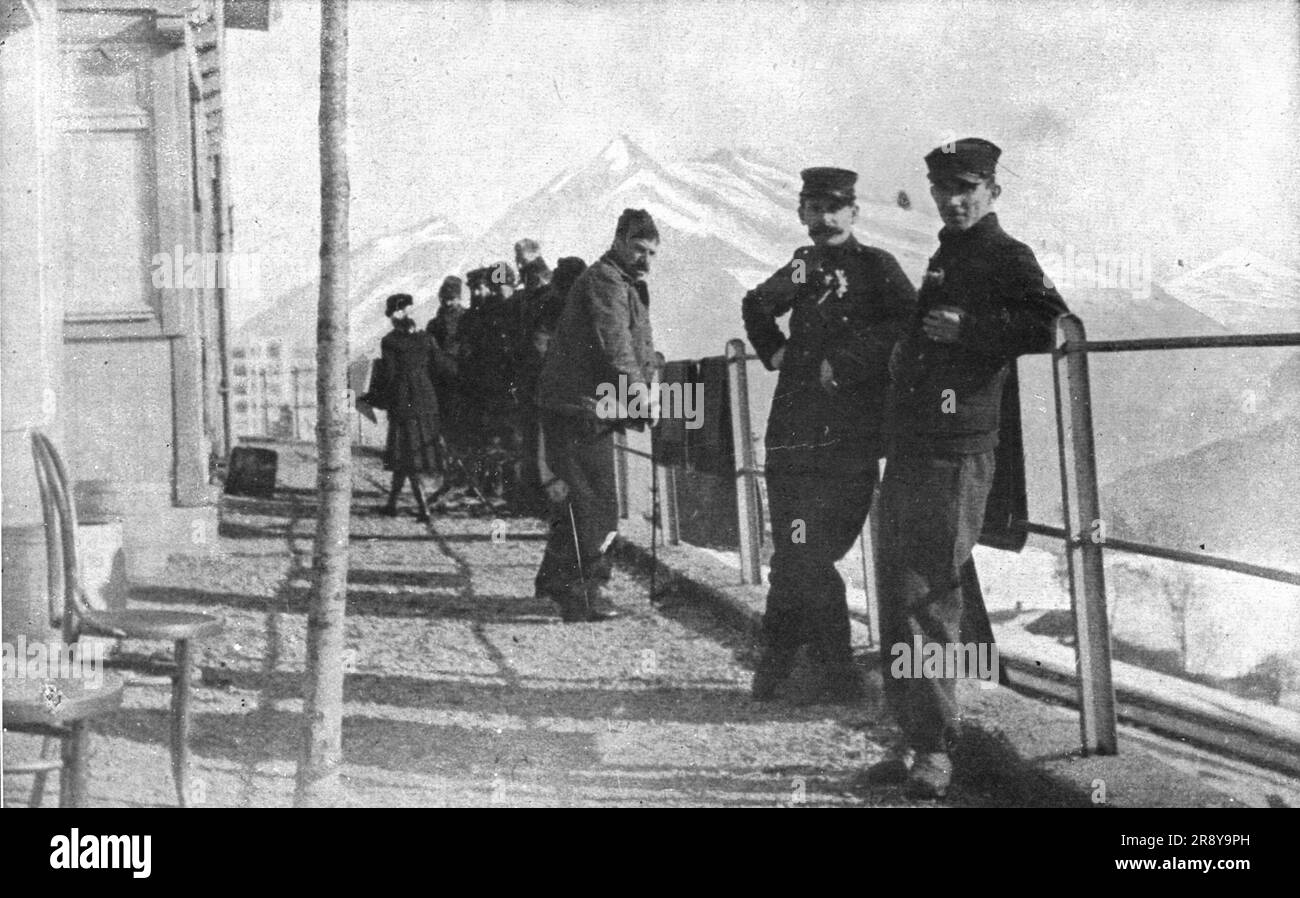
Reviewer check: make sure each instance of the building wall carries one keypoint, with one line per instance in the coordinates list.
(124, 433)
(109, 157)
(31, 311)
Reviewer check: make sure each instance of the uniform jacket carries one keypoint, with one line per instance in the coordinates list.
(1010, 310)
(848, 305)
(445, 327)
(604, 333)
(410, 365)
(487, 337)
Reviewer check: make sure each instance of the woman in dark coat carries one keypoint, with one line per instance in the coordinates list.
(411, 365)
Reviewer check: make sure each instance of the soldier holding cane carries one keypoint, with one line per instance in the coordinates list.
(603, 336)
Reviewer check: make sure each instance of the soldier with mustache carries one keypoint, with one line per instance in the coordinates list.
(848, 303)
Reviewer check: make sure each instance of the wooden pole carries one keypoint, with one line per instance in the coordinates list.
(322, 746)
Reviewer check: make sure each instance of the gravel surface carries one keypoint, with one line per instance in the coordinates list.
(464, 689)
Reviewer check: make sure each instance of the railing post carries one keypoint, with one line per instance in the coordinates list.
(746, 486)
(868, 539)
(1087, 574)
(620, 471)
(668, 490)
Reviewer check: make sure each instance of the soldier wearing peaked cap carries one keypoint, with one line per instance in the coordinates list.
(983, 302)
(848, 303)
(603, 337)
(446, 325)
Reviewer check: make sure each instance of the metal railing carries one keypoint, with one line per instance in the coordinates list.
(1084, 542)
(1088, 541)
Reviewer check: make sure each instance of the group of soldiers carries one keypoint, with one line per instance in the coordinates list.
(869, 368)
(486, 359)
(873, 369)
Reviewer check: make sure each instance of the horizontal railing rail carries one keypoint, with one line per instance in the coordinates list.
(1080, 494)
(1201, 559)
(1222, 341)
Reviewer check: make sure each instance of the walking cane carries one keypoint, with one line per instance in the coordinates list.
(577, 551)
(654, 518)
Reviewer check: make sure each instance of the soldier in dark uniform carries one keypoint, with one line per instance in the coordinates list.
(446, 325)
(534, 339)
(983, 302)
(550, 303)
(410, 367)
(848, 304)
(603, 335)
(445, 329)
(488, 336)
(469, 399)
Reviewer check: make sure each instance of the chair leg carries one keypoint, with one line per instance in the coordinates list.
(181, 722)
(72, 779)
(38, 781)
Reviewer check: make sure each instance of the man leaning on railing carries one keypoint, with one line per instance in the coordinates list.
(983, 302)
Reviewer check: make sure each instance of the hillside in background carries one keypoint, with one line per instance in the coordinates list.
(1228, 497)
(404, 261)
(1244, 291)
(728, 219)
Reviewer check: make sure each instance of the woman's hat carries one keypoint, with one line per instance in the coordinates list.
(397, 301)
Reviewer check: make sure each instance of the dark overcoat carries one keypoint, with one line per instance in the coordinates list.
(411, 365)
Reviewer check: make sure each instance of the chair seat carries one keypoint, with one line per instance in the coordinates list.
(25, 701)
(147, 623)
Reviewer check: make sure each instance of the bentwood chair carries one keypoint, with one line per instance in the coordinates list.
(57, 709)
(78, 619)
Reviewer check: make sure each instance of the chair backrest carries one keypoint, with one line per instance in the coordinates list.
(58, 508)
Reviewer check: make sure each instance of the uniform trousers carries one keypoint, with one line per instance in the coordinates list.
(931, 513)
(580, 451)
(816, 517)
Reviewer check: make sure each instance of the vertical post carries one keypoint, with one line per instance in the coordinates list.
(868, 539)
(746, 487)
(318, 779)
(668, 490)
(72, 781)
(620, 471)
(293, 373)
(266, 403)
(1087, 578)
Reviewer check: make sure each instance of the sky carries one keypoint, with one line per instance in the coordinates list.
(1159, 127)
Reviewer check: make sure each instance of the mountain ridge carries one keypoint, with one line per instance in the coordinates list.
(729, 219)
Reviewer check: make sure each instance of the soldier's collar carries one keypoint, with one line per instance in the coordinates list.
(982, 228)
(848, 246)
(618, 266)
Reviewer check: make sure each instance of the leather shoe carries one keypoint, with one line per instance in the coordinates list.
(892, 770)
(585, 604)
(772, 670)
(930, 776)
(599, 605)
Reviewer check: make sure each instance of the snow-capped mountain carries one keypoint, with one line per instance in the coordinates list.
(411, 260)
(1244, 291)
(726, 220)
(729, 219)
